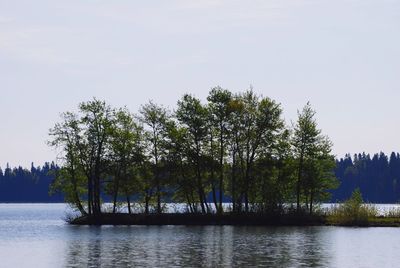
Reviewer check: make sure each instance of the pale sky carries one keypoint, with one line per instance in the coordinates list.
(343, 56)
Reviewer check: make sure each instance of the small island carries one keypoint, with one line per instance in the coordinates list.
(228, 219)
(235, 149)
(353, 212)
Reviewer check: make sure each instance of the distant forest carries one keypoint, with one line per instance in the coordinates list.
(377, 176)
(20, 184)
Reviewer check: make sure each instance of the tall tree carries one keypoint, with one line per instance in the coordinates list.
(192, 115)
(70, 179)
(260, 124)
(219, 105)
(96, 121)
(126, 152)
(314, 160)
(155, 118)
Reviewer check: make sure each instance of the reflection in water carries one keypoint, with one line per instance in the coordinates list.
(207, 246)
(33, 235)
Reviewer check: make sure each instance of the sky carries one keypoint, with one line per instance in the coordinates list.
(343, 56)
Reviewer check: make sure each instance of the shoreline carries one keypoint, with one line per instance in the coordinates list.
(225, 219)
(197, 219)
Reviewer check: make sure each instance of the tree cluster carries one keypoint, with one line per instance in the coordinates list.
(18, 184)
(377, 177)
(234, 146)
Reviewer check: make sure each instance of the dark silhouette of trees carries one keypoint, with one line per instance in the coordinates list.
(233, 146)
(193, 117)
(220, 111)
(19, 184)
(71, 176)
(125, 155)
(154, 117)
(96, 121)
(85, 141)
(315, 163)
(377, 177)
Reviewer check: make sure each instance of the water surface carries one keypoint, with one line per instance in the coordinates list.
(34, 235)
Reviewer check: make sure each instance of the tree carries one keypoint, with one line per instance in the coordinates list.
(257, 123)
(192, 115)
(234, 145)
(219, 106)
(83, 139)
(126, 153)
(97, 119)
(155, 118)
(70, 179)
(315, 163)
(178, 166)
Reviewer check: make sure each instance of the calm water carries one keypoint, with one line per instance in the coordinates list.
(34, 235)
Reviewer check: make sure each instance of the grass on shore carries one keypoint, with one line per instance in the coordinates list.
(354, 212)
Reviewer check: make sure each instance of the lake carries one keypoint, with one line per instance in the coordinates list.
(35, 235)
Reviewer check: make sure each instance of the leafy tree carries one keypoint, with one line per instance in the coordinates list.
(313, 155)
(258, 123)
(219, 106)
(155, 118)
(192, 115)
(235, 145)
(97, 120)
(126, 152)
(70, 179)
(83, 140)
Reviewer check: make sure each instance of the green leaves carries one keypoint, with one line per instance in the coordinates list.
(315, 162)
(234, 145)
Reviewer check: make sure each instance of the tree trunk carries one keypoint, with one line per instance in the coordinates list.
(221, 164)
(116, 188)
(233, 183)
(214, 196)
(200, 189)
(246, 202)
(205, 202)
(158, 198)
(96, 210)
(246, 190)
(129, 204)
(77, 202)
(201, 200)
(90, 195)
(298, 188)
(189, 203)
(146, 206)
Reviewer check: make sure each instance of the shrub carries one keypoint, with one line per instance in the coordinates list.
(352, 212)
(393, 213)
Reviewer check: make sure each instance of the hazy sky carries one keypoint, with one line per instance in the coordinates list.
(343, 56)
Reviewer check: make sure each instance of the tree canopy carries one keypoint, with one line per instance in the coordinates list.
(235, 146)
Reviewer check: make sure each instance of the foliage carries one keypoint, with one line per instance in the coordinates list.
(234, 146)
(353, 211)
(19, 184)
(314, 161)
(377, 176)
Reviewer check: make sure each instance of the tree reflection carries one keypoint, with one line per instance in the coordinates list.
(206, 246)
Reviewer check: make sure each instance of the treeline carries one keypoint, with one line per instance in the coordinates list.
(378, 177)
(234, 145)
(28, 185)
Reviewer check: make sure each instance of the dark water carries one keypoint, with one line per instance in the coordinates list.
(34, 235)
